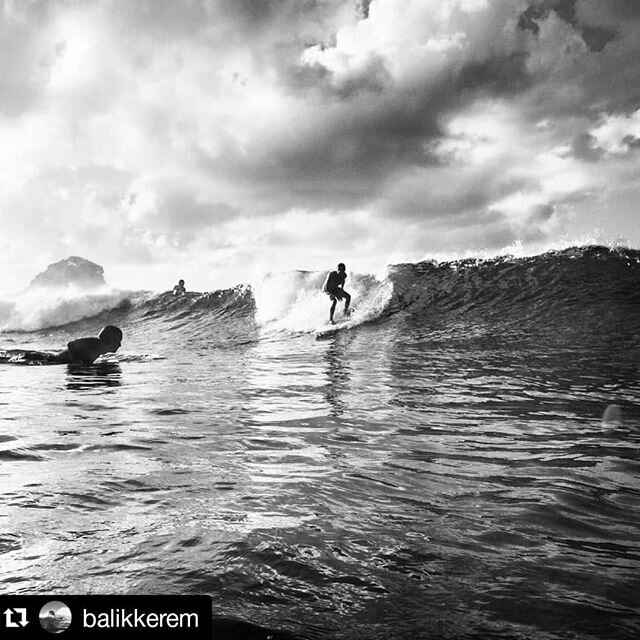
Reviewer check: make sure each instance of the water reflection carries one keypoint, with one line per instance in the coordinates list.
(281, 380)
(104, 374)
(338, 375)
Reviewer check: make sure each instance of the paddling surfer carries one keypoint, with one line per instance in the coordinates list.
(80, 351)
(86, 350)
(334, 288)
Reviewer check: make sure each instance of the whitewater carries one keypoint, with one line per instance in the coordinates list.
(460, 461)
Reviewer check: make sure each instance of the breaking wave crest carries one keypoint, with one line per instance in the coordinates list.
(583, 284)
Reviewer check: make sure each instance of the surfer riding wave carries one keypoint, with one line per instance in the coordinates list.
(334, 288)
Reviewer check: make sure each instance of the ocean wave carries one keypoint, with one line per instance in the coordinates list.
(579, 279)
(43, 308)
(592, 283)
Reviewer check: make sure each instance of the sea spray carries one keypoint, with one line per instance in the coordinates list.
(295, 301)
(41, 308)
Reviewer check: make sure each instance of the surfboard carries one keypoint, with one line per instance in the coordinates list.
(330, 330)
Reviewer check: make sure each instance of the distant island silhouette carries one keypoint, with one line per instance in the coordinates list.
(74, 270)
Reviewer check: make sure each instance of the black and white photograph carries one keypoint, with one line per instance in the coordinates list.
(326, 310)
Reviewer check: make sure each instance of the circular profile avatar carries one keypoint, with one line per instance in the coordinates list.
(55, 617)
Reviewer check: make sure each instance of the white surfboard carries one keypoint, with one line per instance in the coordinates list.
(330, 329)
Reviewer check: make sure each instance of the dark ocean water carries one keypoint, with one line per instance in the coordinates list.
(439, 469)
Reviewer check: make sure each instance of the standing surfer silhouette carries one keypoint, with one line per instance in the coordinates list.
(334, 288)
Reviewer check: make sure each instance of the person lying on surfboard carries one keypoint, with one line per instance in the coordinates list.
(334, 288)
(86, 350)
(80, 351)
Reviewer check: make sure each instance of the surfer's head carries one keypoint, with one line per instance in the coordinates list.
(181, 283)
(341, 267)
(111, 336)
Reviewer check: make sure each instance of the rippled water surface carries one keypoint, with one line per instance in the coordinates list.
(398, 481)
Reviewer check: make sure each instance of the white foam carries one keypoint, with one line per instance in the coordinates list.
(519, 250)
(49, 307)
(294, 301)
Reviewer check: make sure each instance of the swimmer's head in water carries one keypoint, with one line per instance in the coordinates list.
(111, 336)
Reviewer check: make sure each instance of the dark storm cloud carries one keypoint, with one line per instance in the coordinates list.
(341, 155)
(607, 13)
(432, 196)
(317, 82)
(363, 7)
(585, 147)
(366, 126)
(261, 26)
(491, 230)
(576, 84)
(595, 38)
(180, 212)
(496, 76)
(490, 121)
(631, 142)
(607, 26)
(541, 213)
(365, 130)
(178, 216)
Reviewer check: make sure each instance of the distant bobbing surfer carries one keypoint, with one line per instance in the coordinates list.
(334, 288)
(179, 289)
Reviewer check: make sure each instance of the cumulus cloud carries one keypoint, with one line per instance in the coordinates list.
(225, 132)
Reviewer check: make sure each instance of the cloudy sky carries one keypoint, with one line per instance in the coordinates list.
(216, 139)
